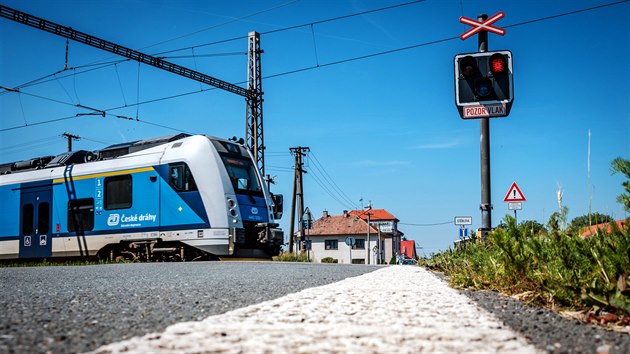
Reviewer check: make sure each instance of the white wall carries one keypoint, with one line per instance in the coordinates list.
(342, 254)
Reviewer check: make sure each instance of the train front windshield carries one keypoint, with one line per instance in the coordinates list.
(243, 175)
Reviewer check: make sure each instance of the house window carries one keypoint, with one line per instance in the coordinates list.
(81, 215)
(331, 244)
(359, 244)
(118, 192)
(358, 261)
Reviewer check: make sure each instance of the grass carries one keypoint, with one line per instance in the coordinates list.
(49, 263)
(291, 257)
(558, 270)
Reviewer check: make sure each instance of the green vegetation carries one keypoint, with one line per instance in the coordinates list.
(50, 263)
(329, 260)
(291, 257)
(620, 165)
(555, 268)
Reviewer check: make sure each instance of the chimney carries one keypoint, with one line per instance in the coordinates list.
(345, 213)
(325, 213)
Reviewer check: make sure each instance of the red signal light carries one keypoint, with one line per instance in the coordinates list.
(498, 64)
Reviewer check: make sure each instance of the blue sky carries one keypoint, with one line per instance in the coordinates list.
(384, 129)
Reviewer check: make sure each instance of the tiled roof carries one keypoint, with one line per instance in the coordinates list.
(340, 225)
(408, 248)
(592, 230)
(375, 215)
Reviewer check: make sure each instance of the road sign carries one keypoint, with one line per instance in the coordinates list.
(482, 26)
(485, 111)
(463, 220)
(350, 241)
(514, 194)
(307, 219)
(515, 206)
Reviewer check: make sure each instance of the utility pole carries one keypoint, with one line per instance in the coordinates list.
(70, 137)
(298, 191)
(484, 141)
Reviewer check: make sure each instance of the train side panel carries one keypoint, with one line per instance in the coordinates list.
(9, 225)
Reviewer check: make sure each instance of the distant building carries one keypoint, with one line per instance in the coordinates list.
(606, 227)
(408, 249)
(329, 233)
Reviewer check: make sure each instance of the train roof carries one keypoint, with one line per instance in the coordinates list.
(83, 156)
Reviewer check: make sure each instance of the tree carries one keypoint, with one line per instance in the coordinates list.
(620, 165)
(533, 227)
(587, 220)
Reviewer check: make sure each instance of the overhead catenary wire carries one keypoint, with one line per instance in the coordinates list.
(47, 78)
(325, 64)
(299, 26)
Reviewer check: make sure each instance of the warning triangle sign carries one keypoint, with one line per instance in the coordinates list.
(514, 194)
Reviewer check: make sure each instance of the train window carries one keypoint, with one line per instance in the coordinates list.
(181, 178)
(118, 192)
(81, 215)
(242, 174)
(43, 218)
(331, 244)
(27, 219)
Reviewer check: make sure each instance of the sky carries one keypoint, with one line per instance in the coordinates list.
(381, 128)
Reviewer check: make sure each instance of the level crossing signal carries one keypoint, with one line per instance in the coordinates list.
(484, 84)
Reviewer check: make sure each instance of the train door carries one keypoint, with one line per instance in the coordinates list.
(35, 221)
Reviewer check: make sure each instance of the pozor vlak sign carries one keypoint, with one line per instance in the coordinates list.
(484, 84)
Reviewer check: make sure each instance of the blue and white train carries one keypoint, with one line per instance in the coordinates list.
(177, 198)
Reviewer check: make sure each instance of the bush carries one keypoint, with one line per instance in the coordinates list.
(558, 269)
(291, 257)
(329, 260)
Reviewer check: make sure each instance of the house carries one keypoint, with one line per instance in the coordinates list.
(387, 225)
(408, 249)
(331, 232)
(606, 227)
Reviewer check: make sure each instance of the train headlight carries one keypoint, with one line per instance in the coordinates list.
(232, 209)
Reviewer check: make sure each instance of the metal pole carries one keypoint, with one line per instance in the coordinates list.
(484, 141)
(515, 219)
(378, 260)
(350, 254)
(367, 249)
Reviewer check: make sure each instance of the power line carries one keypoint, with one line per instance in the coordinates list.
(434, 224)
(318, 181)
(314, 67)
(331, 181)
(299, 26)
(43, 80)
(223, 24)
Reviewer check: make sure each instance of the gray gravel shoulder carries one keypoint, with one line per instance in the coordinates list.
(546, 329)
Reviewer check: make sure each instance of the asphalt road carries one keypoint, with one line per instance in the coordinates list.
(75, 309)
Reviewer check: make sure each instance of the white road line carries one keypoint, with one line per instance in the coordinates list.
(398, 309)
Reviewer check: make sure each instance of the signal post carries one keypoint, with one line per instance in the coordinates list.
(484, 88)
